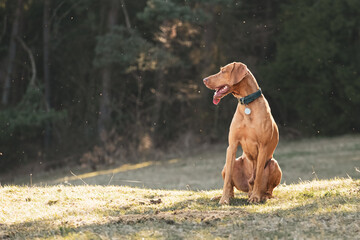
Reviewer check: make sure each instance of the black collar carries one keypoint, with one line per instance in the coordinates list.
(249, 98)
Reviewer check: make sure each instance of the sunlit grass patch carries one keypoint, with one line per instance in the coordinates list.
(320, 209)
(99, 212)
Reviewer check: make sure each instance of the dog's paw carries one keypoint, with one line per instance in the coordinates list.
(216, 198)
(254, 198)
(224, 200)
(266, 197)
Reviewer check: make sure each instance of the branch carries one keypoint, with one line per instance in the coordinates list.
(127, 19)
(33, 67)
(56, 10)
(32, 61)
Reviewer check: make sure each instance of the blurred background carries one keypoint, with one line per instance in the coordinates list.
(98, 83)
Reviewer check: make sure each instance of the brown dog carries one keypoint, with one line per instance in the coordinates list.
(242, 176)
(252, 126)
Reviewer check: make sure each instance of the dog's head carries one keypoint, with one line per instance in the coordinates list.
(223, 81)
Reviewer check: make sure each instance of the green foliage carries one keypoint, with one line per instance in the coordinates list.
(121, 46)
(159, 11)
(154, 59)
(315, 75)
(127, 49)
(24, 123)
(27, 117)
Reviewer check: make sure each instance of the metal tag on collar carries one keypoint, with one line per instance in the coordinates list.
(247, 111)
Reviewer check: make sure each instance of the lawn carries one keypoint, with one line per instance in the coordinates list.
(327, 209)
(319, 198)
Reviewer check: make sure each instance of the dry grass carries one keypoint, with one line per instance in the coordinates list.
(75, 206)
(317, 209)
(299, 160)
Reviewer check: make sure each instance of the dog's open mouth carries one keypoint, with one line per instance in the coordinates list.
(219, 93)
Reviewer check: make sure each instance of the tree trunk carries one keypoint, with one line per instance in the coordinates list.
(126, 15)
(104, 111)
(46, 39)
(12, 54)
(105, 108)
(4, 29)
(156, 118)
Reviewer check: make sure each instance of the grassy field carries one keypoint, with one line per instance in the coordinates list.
(171, 199)
(299, 160)
(318, 209)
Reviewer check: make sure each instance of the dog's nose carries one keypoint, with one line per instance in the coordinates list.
(205, 80)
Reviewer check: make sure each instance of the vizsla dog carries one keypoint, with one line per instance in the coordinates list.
(252, 126)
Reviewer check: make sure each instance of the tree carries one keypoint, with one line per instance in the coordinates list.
(12, 53)
(46, 64)
(314, 75)
(105, 108)
(140, 64)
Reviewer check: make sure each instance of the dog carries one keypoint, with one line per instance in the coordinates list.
(252, 127)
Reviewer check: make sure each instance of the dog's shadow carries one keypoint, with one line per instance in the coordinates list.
(236, 201)
(239, 201)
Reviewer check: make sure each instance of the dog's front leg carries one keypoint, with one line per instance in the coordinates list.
(228, 188)
(252, 179)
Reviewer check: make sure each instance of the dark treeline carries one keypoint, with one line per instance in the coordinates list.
(105, 81)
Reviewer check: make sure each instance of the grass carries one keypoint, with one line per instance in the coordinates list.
(326, 209)
(172, 199)
(322, 158)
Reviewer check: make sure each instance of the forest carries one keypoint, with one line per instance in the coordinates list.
(115, 81)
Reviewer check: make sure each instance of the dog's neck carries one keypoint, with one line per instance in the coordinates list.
(246, 86)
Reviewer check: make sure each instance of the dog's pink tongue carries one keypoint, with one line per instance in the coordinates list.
(216, 100)
(217, 97)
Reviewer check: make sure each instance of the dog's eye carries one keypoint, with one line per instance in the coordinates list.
(222, 70)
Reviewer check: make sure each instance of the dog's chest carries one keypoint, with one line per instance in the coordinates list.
(242, 123)
(249, 147)
(245, 129)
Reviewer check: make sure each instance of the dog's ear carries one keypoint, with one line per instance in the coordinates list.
(238, 72)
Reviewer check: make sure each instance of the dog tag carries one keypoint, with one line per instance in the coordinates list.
(247, 111)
